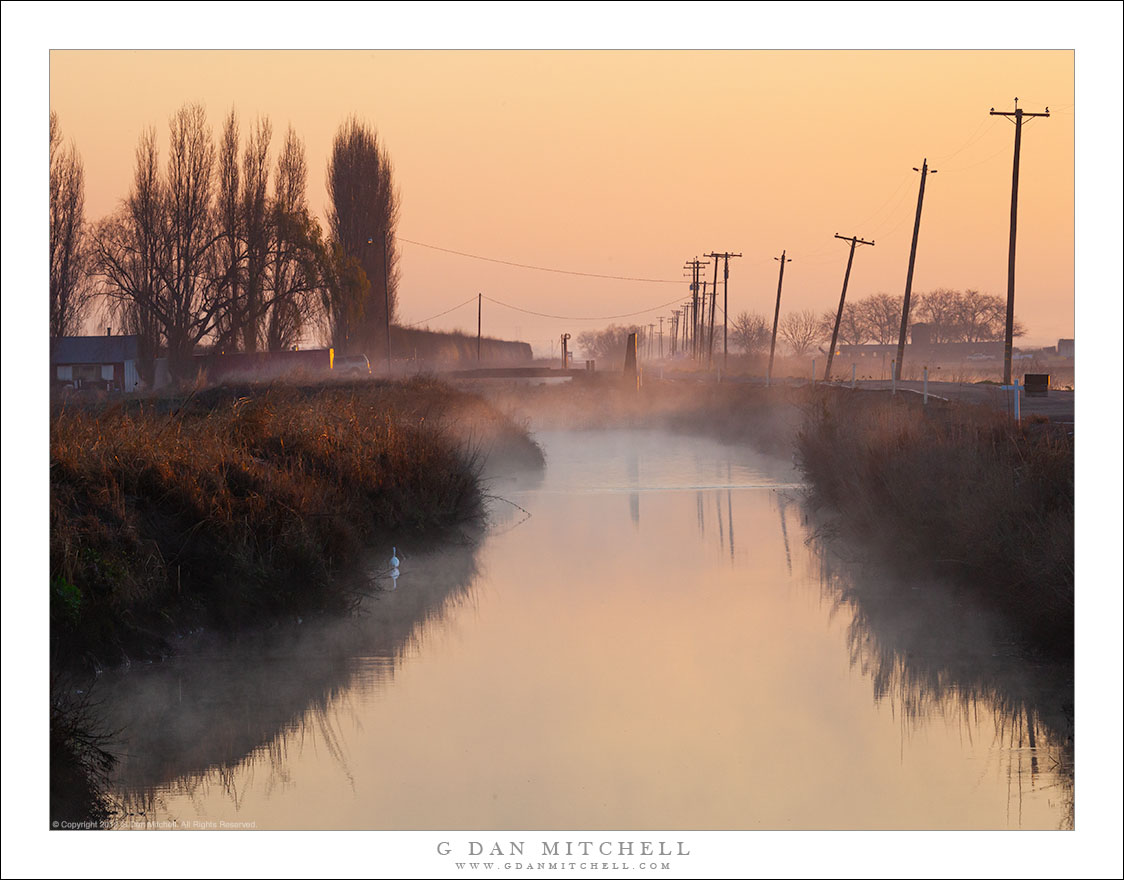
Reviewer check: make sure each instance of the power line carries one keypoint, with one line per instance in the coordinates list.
(538, 268)
(575, 318)
(439, 314)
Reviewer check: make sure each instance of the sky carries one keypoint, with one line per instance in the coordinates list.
(629, 163)
(622, 164)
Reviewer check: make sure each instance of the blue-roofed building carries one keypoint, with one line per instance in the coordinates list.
(104, 363)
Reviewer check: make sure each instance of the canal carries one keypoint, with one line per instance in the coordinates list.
(653, 633)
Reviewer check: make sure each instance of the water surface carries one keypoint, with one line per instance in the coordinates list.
(646, 638)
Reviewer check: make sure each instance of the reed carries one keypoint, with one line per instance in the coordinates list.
(956, 489)
(236, 505)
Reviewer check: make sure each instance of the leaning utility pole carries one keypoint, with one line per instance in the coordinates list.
(701, 332)
(843, 296)
(776, 318)
(725, 299)
(925, 171)
(1008, 337)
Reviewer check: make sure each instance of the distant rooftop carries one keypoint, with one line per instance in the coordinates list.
(93, 349)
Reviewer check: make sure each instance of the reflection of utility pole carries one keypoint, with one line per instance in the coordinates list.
(839, 315)
(776, 318)
(925, 171)
(725, 299)
(1008, 336)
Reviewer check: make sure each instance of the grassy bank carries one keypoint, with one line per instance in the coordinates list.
(237, 505)
(957, 490)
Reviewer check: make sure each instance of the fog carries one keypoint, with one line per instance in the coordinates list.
(654, 631)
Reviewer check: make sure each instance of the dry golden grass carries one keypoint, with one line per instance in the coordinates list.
(239, 504)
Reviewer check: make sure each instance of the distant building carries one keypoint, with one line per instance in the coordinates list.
(1065, 348)
(103, 363)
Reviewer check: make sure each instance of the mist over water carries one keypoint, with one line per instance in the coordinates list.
(650, 635)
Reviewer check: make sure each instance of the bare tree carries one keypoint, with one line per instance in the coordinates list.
(193, 286)
(750, 332)
(853, 329)
(363, 218)
(230, 254)
(129, 250)
(255, 228)
(801, 330)
(608, 346)
(982, 317)
(344, 292)
(295, 260)
(965, 316)
(883, 316)
(70, 287)
(159, 254)
(940, 309)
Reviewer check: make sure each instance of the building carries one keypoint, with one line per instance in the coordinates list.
(103, 363)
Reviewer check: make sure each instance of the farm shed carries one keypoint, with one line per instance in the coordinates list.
(105, 363)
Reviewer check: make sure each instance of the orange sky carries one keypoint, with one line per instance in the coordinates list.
(631, 162)
(448, 151)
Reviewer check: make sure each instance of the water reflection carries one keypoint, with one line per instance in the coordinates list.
(931, 652)
(586, 669)
(225, 716)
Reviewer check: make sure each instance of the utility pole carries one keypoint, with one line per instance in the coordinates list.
(697, 309)
(1008, 337)
(713, 298)
(651, 340)
(776, 318)
(839, 315)
(700, 332)
(661, 337)
(725, 300)
(674, 335)
(479, 313)
(925, 172)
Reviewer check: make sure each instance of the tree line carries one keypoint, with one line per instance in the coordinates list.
(215, 243)
(952, 315)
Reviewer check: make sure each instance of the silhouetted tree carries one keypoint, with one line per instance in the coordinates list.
(344, 293)
(128, 250)
(230, 251)
(256, 231)
(801, 330)
(70, 287)
(608, 346)
(883, 315)
(159, 253)
(751, 332)
(296, 270)
(853, 328)
(362, 218)
(965, 316)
